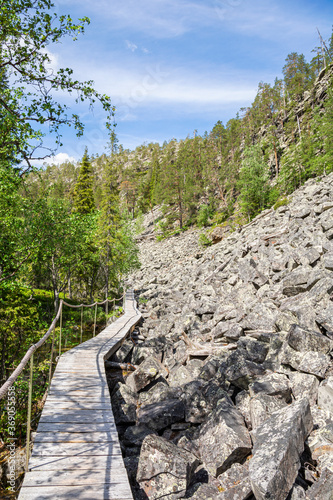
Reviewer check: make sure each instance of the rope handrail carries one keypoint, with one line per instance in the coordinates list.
(19, 369)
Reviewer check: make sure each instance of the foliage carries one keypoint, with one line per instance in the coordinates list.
(28, 29)
(281, 203)
(204, 241)
(253, 183)
(83, 191)
(204, 215)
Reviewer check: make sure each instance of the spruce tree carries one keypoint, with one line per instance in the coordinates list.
(83, 192)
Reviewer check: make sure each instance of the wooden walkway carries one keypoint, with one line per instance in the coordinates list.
(76, 451)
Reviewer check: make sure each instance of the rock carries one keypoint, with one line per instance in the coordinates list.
(144, 374)
(223, 439)
(325, 395)
(123, 352)
(159, 415)
(243, 406)
(304, 385)
(262, 406)
(200, 400)
(253, 350)
(315, 363)
(235, 483)
(321, 446)
(278, 445)
(323, 488)
(297, 493)
(304, 340)
(124, 403)
(275, 384)
(164, 470)
(242, 372)
(135, 434)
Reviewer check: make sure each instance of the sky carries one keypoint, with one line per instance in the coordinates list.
(172, 67)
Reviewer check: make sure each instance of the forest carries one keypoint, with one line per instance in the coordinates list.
(69, 230)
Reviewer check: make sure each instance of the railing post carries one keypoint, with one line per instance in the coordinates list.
(81, 324)
(29, 413)
(114, 309)
(95, 319)
(60, 331)
(52, 348)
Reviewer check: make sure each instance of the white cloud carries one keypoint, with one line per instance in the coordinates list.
(59, 158)
(131, 46)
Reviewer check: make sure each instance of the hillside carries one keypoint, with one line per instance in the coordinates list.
(232, 394)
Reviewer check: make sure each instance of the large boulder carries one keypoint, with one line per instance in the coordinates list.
(278, 445)
(159, 415)
(164, 470)
(223, 439)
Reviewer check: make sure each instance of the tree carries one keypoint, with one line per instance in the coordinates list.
(297, 75)
(83, 191)
(253, 182)
(28, 28)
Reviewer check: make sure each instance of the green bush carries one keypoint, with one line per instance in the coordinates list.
(204, 241)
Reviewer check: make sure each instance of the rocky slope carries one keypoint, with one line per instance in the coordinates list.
(232, 395)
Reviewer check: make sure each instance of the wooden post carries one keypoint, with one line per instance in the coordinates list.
(81, 324)
(29, 414)
(52, 348)
(95, 319)
(60, 331)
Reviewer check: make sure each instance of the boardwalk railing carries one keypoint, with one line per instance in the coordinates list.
(30, 355)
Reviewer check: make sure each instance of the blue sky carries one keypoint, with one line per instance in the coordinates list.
(175, 66)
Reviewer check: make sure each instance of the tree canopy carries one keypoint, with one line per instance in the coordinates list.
(28, 28)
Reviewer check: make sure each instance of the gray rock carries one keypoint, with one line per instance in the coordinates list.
(200, 400)
(124, 404)
(124, 351)
(315, 363)
(135, 434)
(297, 493)
(235, 483)
(320, 444)
(323, 488)
(262, 406)
(159, 415)
(304, 340)
(243, 406)
(144, 374)
(304, 385)
(242, 372)
(253, 350)
(164, 470)
(325, 395)
(274, 384)
(279, 443)
(223, 439)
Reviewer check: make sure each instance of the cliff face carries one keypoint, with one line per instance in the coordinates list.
(232, 396)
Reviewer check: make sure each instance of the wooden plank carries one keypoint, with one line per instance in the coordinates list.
(75, 449)
(68, 427)
(82, 492)
(78, 416)
(75, 477)
(84, 462)
(110, 436)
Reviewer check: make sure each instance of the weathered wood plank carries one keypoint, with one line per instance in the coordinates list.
(84, 462)
(68, 427)
(75, 477)
(110, 436)
(82, 492)
(74, 449)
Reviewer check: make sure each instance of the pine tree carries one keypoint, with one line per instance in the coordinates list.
(83, 192)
